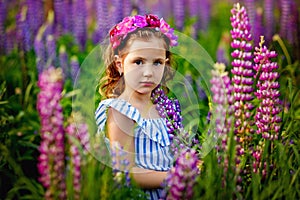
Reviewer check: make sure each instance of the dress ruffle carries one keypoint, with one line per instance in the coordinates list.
(150, 127)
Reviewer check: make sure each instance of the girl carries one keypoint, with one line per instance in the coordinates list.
(136, 112)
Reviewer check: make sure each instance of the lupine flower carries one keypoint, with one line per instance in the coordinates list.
(285, 17)
(75, 67)
(242, 70)
(242, 84)
(51, 163)
(201, 93)
(3, 11)
(182, 176)
(64, 61)
(61, 16)
(127, 7)
(269, 18)
(267, 119)
(102, 20)
(204, 12)
(79, 15)
(23, 29)
(35, 16)
(40, 50)
(120, 164)
(222, 97)
(51, 50)
(178, 9)
(251, 12)
(193, 7)
(76, 131)
(117, 11)
(258, 25)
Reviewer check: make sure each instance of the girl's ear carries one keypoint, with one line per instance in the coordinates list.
(118, 62)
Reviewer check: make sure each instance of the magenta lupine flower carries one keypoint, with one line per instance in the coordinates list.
(269, 18)
(182, 177)
(75, 67)
(64, 61)
(242, 70)
(267, 119)
(79, 15)
(178, 10)
(51, 164)
(251, 12)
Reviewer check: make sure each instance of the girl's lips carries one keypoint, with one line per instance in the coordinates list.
(146, 83)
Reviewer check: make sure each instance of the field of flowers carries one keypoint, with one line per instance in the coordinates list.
(244, 143)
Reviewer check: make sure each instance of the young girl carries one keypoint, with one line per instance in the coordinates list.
(136, 112)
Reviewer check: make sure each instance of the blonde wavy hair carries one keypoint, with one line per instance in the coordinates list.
(112, 84)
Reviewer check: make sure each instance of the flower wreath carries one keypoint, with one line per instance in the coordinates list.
(131, 23)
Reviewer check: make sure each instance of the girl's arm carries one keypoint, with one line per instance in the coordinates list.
(121, 129)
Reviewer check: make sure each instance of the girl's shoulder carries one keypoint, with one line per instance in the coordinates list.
(121, 106)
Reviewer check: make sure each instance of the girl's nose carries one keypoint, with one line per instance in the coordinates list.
(148, 71)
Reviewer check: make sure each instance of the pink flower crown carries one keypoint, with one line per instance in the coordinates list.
(130, 24)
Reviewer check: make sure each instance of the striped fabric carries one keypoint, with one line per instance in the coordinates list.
(152, 143)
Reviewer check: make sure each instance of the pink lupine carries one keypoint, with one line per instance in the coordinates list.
(267, 119)
(51, 164)
(182, 177)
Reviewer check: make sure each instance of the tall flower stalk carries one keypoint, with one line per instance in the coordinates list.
(182, 177)
(267, 119)
(51, 163)
(242, 82)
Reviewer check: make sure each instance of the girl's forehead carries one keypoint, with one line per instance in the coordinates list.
(153, 45)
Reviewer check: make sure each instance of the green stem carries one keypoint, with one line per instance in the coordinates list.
(277, 38)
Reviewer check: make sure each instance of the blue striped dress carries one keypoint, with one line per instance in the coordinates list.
(152, 143)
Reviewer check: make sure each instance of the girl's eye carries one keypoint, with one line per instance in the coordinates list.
(157, 63)
(138, 62)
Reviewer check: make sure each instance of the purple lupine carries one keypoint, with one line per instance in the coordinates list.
(75, 67)
(40, 50)
(127, 8)
(116, 14)
(23, 29)
(258, 26)
(120, 164)
(79, 23)
(182, 177)
(75, 159)
(64, 61)
(267, 119)
(61, 16)
(193, 7)
(51, 163)
(51, 51)
(293, 24)
(3, 11)
(10, 42)
(102, 21)
(222, 97)
(269, 19)
(35, 16)
(285, 17)
(200, 91)
(179, 15)
(204, 12)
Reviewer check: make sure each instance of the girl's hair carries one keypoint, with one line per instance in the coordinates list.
(112, 84)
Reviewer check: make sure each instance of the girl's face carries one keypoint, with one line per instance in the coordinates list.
(144, 65)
